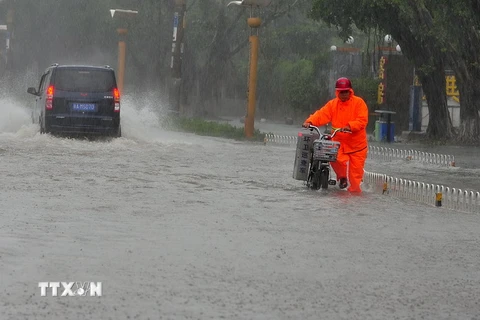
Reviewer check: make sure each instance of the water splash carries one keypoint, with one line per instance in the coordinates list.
(142, 118)
(14, 117)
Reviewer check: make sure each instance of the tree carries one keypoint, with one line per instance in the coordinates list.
(455, 26)
(217, 40)
(293, 49)
(411, 31)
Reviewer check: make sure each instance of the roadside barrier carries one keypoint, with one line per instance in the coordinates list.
(431, 194)
(279, 139)
(381, 153)
(389, 154)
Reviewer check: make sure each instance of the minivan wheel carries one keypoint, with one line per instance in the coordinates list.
(42, 129)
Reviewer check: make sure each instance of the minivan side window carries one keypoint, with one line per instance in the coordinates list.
(47, 80)
(42, 83)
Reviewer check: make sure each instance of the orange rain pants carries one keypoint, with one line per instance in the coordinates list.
(356, 162)
(354, 145)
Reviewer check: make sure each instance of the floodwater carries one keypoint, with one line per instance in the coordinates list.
(464, 175)
(178, 226)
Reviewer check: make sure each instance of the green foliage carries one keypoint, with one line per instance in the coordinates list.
(211, 128)
(290, 45)
(305, 39)
(293, 59)
(413, 29)
(366, 88)
(299, 81)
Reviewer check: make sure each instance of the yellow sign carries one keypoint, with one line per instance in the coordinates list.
(381, 70)
(381, 75)
(381, 93)
(450, 87)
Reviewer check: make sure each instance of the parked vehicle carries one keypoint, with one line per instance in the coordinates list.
(77, 100)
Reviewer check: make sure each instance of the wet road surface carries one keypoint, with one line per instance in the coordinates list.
(177, 226)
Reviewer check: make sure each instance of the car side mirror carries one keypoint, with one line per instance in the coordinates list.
(33, 91)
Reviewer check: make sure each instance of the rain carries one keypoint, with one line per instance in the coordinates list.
(176, 224)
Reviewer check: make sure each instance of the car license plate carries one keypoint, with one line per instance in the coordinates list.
(84, 107)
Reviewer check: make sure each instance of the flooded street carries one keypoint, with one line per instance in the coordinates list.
(464, 175)
(178, 226)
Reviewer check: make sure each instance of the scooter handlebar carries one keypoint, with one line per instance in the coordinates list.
(312, 127)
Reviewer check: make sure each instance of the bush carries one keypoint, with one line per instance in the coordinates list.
(299, 83)
(212, 128)
(367, 88)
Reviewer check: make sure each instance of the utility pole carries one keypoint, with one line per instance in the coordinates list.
(177, 55)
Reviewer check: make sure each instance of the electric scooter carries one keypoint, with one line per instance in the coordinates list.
(324, 152)
(315, 152)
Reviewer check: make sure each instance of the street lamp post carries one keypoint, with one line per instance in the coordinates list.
(9, 36)
(254, 23)
(122, 47)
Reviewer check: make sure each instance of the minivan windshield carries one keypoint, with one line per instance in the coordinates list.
(88, 80)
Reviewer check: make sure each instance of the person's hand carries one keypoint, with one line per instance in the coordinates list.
(346, 128)
(306, 124)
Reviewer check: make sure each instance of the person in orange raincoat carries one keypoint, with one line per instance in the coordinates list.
(350, 113)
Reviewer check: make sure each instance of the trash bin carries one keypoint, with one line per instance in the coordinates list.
(382, 131)
(384, 126)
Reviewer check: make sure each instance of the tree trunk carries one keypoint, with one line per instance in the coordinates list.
(439, 122)
(469, 131)
(430, 69)
(468, 84)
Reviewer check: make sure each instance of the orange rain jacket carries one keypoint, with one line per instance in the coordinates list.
(353, 112)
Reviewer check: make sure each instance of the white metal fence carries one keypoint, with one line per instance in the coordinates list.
(381, 153)
(388, 154)
(279, 139)
(451, 198)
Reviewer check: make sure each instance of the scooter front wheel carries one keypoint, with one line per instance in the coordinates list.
(324, 175)
(314, 176)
